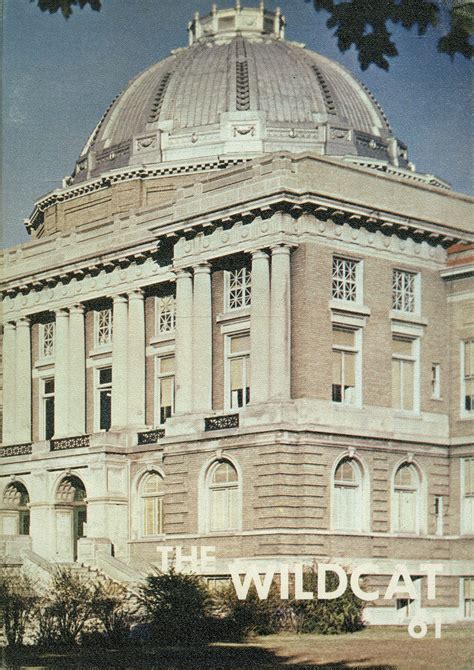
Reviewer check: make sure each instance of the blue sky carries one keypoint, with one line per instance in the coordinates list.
(59, 76)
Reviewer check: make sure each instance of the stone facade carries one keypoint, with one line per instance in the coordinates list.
(161, 325)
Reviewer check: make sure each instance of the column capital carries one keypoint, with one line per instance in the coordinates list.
(119, 299)
(281, 248)
(61, 312)
(202, 268)
(78, 308)
(9, 325)
(258, 253)
(136, 294)
(23, 322)
(182, 274)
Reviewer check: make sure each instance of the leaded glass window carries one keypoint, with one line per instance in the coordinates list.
(48, 332)
(238, 289)
(404, 291)
(166, 320)
(344, 279)
(103, 329)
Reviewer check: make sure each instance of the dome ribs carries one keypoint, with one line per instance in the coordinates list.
(242, 94)
(159, 97)
(325, 90)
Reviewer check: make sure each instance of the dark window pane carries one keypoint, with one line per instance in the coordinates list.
(336, 393)
(105, 409)
(105, 376)
(24, 523)
(48, 418)
(165, 413)
(49, 385)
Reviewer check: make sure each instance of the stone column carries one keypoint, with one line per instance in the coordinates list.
(280, 382)
(119, 362)
(9, 382)
(136, 359)
(183, 342)
(77, 371)
(23, 381)
(62, 379)
(260, 328)
(202, 339)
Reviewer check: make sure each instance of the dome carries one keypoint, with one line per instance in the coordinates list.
(239, 90)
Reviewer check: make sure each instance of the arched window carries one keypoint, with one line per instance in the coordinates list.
(347, 500)
(16, 498)
(223, 496)
(152, 493)
(406, 499)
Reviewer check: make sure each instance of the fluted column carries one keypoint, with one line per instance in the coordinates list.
(77, 371)
(260, 328)
(119, 362)
(202, 339)
(136, 359)
(280, 381)
(9, 382)
(183, 342)
(23, 381)
(61, 375)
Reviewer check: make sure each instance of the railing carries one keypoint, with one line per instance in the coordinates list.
(221, 422)
(70, 442)
(16, 450)
(151, 436)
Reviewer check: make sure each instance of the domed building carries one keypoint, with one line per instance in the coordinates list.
(244, 322)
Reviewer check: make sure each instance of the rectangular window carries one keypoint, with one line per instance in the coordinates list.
(468, 597)
(47, 337)
(403, 374)
(467, 376)
(103, 327)
(153, 515)
(47, 401)
(238, 370)
(404, 291)
(237, 289)
(346, 280)
(165, 388)
(467, 491)
(345, 352)
(166, 314)
(104, 398)
(438, 509)
(435, 381)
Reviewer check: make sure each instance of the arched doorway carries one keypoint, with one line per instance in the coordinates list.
(71, 519)
(16, 515)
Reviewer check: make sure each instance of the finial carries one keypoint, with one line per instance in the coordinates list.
(237, 5)
(214, 9)
(196, 16)
(262, 6)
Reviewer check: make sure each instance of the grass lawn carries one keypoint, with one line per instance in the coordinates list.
(388, 648)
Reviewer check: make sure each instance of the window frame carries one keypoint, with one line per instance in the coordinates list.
(358, 280)
(157, 389)
(228, 356)
(170, 332)
(205, 499)
(436, 381)
(465, 530)
(357, 350)
(462, 597)
(246, 289)
(43, 397)
(464, 413)
(42, 341)
(415, 359)
(159, 497)
(363, 498)
(416, 292)
(98, 388)
(419, 525)
(103, 345)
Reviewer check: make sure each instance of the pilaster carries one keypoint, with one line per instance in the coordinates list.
(77, 371)
(260, 328)
(9, 382)
(136, 359)
(183, 342)
(202, 339)
(61, 375)
(119, 362)
(280, 381)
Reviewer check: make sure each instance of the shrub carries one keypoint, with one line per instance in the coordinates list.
(177, 606)
(252, 616)
(114, 610)
(19, 598)
(341, 615)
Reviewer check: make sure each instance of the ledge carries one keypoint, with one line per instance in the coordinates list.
(234, 315)
(407, 317)
(349, 307)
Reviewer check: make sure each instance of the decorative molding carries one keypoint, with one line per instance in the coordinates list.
(16, 450)
(221, 422)
(78, 442)
(151, 436)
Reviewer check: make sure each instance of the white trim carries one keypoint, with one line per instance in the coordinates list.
(365, 500)
(461, 599)
(204, 498)
(415, 358)
(421, 496)
(167, 352)
(96, 393)
(238, 329)
(42, 398)
(359, 282)
(358, 367)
